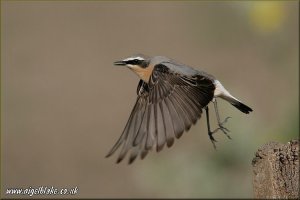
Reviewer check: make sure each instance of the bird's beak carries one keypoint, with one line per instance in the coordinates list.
(121, 63)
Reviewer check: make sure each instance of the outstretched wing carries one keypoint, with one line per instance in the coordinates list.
(165, 107)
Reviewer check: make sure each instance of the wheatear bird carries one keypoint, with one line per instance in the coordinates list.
(170, 98)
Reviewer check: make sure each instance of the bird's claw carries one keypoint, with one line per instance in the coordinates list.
(212, 139)
(225, 120)
(222, 128)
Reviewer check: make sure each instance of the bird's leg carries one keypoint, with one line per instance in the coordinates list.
(210, 133)
(221, 127)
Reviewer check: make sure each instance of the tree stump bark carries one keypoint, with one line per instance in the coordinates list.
(276, 171)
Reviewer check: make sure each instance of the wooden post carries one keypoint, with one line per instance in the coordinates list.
(276, 171)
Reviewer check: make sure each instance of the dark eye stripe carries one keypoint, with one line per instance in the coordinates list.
(134, 62)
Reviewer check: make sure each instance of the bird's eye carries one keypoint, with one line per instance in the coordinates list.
(135, 61)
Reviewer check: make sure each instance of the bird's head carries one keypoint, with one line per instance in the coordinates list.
(134, 61)
(140, 64)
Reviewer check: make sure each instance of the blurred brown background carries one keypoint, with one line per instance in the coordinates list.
(64, 104)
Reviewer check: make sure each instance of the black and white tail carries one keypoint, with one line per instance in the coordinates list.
(221, 92)
(242, 107)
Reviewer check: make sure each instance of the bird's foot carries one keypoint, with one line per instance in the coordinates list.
(223, 129)
(212, 139)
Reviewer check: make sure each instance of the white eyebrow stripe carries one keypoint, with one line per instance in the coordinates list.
(132, 58)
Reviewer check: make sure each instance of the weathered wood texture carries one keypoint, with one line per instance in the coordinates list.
(276, 171)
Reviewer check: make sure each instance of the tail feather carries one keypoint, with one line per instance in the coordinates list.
(221, 92)
(242, 107)
(236, 103)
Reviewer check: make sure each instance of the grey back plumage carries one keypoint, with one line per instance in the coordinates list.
(178, 67)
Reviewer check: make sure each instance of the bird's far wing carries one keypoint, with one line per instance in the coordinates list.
(167, 106)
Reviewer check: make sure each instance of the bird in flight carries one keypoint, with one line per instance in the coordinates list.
(170, 99)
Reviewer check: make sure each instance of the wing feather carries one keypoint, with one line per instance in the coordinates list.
(181, 110)
(130, 134)
(190, 112)
(166, 107)
(125, 131)
(134, 153)
(190, 103)
(143, 127)
(160, 131)
(168, 123)
(178, 121)
(151, 128)
(166, 119)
